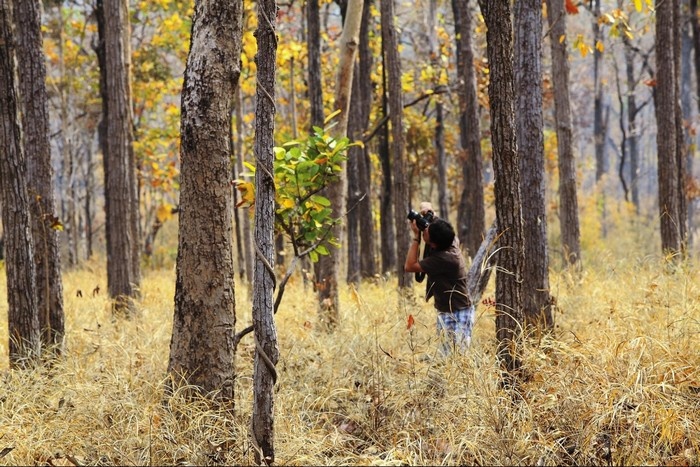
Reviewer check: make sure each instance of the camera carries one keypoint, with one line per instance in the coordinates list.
(422, 221)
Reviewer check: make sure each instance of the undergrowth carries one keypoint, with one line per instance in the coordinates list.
(616, 383)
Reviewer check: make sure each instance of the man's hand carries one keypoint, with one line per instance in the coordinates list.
(425, 206)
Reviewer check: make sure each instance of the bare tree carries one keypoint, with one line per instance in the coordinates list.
(22, 316)
(202, 350)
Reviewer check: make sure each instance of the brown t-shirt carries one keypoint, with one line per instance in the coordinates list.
(447, 278)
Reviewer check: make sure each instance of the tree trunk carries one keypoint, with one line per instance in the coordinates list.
(669, 202)
(471, 216)
(202, 352)
(401, 198)
(22, 315)
(509, 221)
(313, 43)
(386, 199)
(329, 265)
(266, 348)
(119, 168)
(599, 121)
(245, 238)
(529, 124)
(32, 73)
(568, 201)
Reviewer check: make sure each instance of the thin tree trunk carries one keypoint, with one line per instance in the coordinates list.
(401, 198)
(471, 216)
(568, 200)
(266, 348)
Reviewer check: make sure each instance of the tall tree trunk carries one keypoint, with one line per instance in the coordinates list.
(22, 315)
(313, 43)
(386, 199)
(667, 141)
(529, 124)
(509, 221)
(329, 265)
(401, 198)
(599, 124)
(440, 153)
(471, 216)
(32, 74)
(568, 201)
(202, 352)
(119, 168)
(681, 150)
(266, 348)
(245, 237)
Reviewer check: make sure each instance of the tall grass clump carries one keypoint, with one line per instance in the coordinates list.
(617, 382)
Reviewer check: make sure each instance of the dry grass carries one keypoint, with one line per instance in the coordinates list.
(618, 384)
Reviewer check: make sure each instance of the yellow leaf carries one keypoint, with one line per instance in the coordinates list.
(600, 47)
(638, 5)
(165, 212)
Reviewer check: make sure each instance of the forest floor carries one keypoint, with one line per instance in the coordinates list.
(617, 383)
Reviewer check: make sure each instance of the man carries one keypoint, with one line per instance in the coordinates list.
(447, 280)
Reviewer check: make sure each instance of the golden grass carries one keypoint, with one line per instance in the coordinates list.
(618, 383)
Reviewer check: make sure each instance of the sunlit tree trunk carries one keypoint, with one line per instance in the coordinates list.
(568, 200)
(511, 255)
(329, 265)
(471, 216)
(22, 315)
(202, 351)
(266, 348)
(32, 73)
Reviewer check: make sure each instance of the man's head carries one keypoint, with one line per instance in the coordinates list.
(441, 233)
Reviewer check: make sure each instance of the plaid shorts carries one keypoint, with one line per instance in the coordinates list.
(455, 330)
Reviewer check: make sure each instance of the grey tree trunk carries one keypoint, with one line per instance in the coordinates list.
(202, 351)
(32, 74)
(329, 265)
(266, 348)
(509, 221)
(665, 100)
(123, 276)
(440, 153)
(245, 238)
(22, 315)
(471, 216)
(529, 123)
(568, 199)
(599, 123)
(313, 44)
(401, 198)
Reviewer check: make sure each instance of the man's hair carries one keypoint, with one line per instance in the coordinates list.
(441, 234)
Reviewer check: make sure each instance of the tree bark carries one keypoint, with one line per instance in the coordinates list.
(509, 221)
(32, 74)
(266, 348)
(471, 216)
(123, 274)
(401, 198)
(22, 315)
(568, 200)
(202, 352)
(329, 265)
(529, 125)
(665, 100)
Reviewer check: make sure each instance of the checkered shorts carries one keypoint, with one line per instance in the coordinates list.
(455, 329)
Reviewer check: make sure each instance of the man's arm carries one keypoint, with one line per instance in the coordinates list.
(412, 264)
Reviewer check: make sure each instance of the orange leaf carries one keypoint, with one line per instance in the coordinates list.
(411, 321)
(570, 7)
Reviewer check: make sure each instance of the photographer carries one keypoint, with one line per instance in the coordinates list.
(447, 277)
